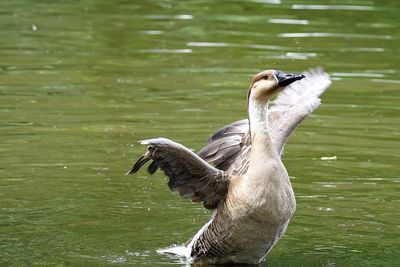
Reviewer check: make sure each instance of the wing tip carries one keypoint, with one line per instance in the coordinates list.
(156, 141)
(139, 163)
(145, 142)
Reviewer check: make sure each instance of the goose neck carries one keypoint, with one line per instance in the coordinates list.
(258, 114)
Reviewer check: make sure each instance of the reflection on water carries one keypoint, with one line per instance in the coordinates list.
(289, 21)
(336, 35)
(334, 7)
(80, 83)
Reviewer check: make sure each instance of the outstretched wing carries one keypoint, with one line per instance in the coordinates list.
(225, 144)
(228, 148)
(188, 174)
(295, 103)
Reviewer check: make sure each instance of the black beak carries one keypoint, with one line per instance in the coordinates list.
(284, 79)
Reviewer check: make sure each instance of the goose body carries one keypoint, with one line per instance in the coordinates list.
(248, 187)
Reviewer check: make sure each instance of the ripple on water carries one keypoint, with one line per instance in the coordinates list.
(357, 74)
(289, 21)
(233, 45)
(335, 35)
(294, 55)
(129, 256)
(273, 2)
(152, 32)
(169, 17)
(376, 179)
(376, 25)
(361, 49)
(385, 81)
(334, 7)
(166, 51)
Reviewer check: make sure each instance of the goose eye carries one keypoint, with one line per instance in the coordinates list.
(265, 77)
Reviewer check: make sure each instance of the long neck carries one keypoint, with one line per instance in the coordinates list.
(258, 114)
(262, 145)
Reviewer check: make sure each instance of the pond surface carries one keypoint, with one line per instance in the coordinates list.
(82, 82)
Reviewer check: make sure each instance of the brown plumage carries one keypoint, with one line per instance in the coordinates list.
(249, 187)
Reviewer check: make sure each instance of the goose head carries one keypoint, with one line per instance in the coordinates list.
(270, 82)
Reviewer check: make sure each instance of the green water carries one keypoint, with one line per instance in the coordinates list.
(82, 81)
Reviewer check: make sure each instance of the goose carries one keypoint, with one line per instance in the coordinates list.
(239, 174)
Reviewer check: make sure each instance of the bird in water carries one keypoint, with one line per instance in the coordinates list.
(239, 174)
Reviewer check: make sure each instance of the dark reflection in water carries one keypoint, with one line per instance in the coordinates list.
(81, 82)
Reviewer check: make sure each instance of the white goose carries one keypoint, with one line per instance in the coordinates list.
(249, 188)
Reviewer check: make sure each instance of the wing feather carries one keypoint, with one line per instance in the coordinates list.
(188, 174)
